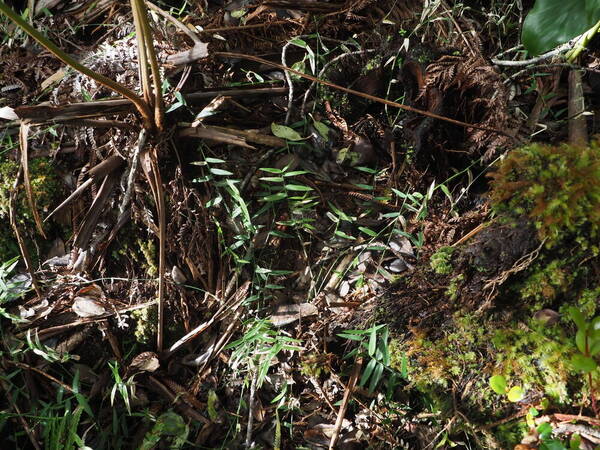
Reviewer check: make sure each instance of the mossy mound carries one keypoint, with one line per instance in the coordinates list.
(47, 191)
(558, 188)
(488, 300)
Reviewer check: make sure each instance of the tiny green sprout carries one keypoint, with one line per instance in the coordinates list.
(499, 385)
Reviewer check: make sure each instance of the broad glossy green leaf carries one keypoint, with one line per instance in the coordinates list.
(595, 347)
(545, 430)
(498, 384)
(553, 22)
(583, 363)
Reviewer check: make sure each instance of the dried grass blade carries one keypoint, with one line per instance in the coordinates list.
(97, 208)
(65, 58)
(149, 162)
(145, 34)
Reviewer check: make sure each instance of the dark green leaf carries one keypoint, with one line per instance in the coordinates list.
(368, 231)
(554, 22)
(552, 445)
(368, 371)
(376, 377)
(583, 363)
(216, 171)
(545, 430)
(578, 318)
(580, 338)
(297, 187)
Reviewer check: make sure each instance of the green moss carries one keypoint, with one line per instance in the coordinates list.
(46, 187)
(148, 249)
(440, 261)
(145, 328)
(471, 348)
(557, 187)
(546, 282)
(452, 290)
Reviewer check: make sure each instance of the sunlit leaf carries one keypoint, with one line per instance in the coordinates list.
(498, 384)
(515, 394)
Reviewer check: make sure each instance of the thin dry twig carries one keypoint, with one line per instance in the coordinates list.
(365, 95)
(344, 405)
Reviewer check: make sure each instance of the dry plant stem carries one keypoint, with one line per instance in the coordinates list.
(290, 84)
(251, 401)
(164, 390)
(151, 55)
(133, 166)
(578, 133)
(150, 166)
(247, 27)
(175, 22)
(141, 51)
(344, 405)
(23, 133)
(65, 386)
(52, 48)
(365, 95)
(557, 51)
(324, 71)
(52, 331)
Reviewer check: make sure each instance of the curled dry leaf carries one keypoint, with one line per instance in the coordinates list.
(87, 307)
(145, 362)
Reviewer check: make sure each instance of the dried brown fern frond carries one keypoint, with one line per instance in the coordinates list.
(474, 89)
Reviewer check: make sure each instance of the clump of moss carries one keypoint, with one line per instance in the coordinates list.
(46, 187)
(452, 289)
(148, 249)
(558, 187)
(470, 348)
(440, 261)
(145, 328)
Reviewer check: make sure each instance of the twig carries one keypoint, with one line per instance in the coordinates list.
(65, 386)
(365, 95)
(324, 70)
(133, 165)
(290, 84)
(251, 408)
(175, 22)
(21, 417)
(557, 51)
(288, 79)
(347, 393)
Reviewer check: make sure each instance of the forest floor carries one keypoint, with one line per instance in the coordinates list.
(372, 250)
